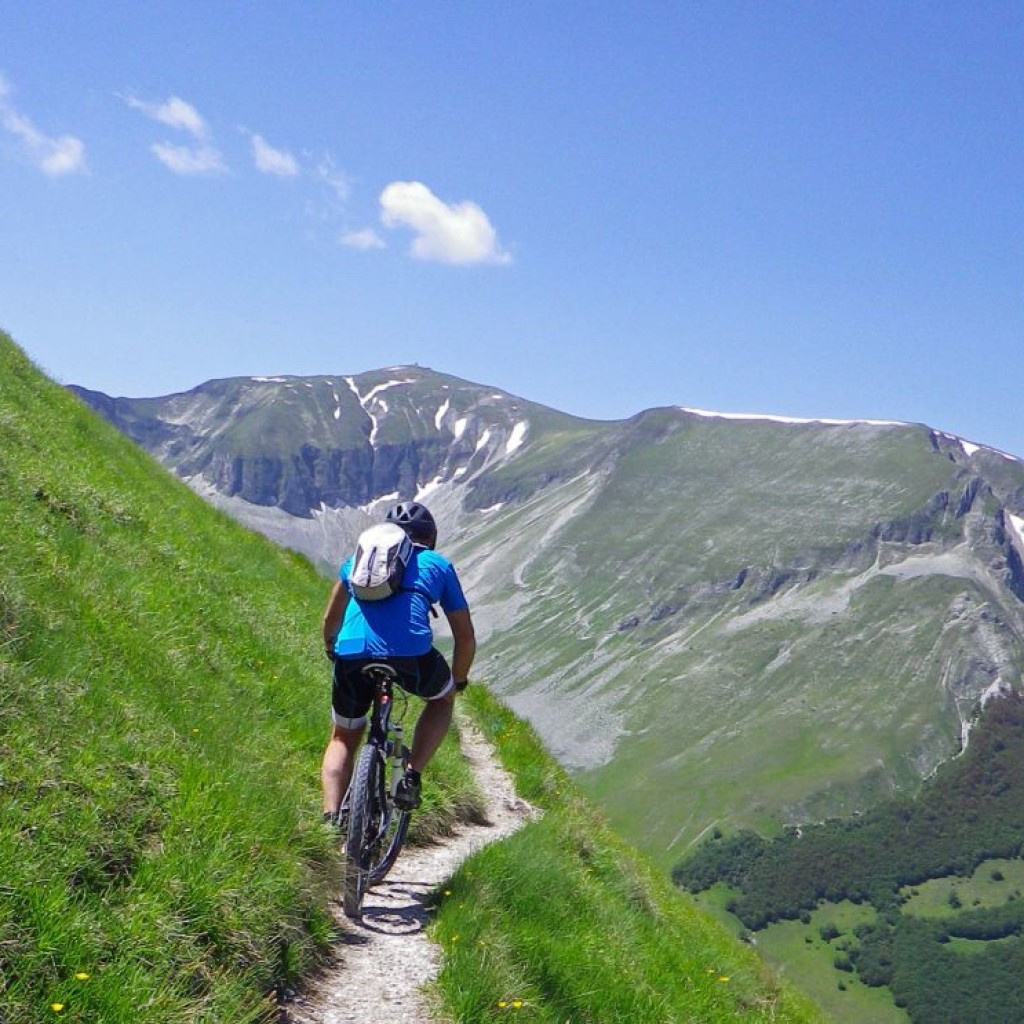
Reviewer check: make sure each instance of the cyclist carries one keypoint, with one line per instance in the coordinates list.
(396, 630)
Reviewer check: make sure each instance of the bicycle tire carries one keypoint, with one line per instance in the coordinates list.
(363, 829)
(392, 841)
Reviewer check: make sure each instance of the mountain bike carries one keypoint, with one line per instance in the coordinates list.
(376, 827)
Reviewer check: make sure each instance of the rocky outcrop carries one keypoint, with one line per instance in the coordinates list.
(313, 477)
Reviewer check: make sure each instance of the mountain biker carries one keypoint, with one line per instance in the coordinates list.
(397, 631)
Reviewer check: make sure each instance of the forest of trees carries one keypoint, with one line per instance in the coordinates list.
(971, 811)
(935, 983)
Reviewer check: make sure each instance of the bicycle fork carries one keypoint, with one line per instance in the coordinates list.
(398, 753)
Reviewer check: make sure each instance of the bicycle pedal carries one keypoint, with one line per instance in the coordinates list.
(407, 794)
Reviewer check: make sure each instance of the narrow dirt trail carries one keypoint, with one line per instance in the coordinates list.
(386, 959)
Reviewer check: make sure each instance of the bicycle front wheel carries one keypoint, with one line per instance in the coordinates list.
(365, 816)
(393, 830)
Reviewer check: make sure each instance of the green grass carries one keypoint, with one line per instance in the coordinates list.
(981, 889)
(799, 950)
(810, 960)
(815, 750)
(566, 922)
(163, 708)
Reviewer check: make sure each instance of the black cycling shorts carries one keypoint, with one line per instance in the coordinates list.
(427, 676)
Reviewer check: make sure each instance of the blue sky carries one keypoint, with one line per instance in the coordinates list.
(804, 209)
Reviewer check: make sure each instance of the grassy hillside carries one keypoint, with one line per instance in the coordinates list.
(565, 922)
(763, 623)
(163, 705)
(162, 713)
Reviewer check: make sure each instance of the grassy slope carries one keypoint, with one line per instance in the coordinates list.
(796, 690)
(778, 700)
(566, 922)
(161, 721)
(162, 713)
(719, 601)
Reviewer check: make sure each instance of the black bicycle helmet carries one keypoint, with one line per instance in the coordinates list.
(416, 520)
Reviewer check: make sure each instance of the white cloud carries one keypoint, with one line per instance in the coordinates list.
(365, 238)
(64, 154)
(189, 160)
(278, 162)
(444, 233)
(197, 158)
(337, 181)
(175, 113)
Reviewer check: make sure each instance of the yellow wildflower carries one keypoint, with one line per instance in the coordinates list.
(82, 976)
(56, 1007)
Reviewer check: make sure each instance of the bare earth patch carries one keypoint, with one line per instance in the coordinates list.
(387, 958)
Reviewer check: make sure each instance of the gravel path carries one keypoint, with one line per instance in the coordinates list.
(386, 959)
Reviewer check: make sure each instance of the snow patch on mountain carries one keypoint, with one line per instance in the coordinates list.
(1018, 525)
(516, 438)
(439, 417)
(428, 488)
(374, 406)
(373, 392)
(788, 419)
(970, 448)
(375, 503)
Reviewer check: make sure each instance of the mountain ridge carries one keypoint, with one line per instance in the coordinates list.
(774, 619)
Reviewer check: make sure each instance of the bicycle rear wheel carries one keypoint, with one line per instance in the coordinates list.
(366, 808)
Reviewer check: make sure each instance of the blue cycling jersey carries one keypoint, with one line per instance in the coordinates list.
(399, 626)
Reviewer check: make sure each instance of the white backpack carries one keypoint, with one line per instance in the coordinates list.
(382, 553)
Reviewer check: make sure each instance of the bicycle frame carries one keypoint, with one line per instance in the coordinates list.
(377, 828)
(383, 733)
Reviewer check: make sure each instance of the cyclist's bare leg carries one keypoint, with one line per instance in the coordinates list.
(430, 730)
(336, 769)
